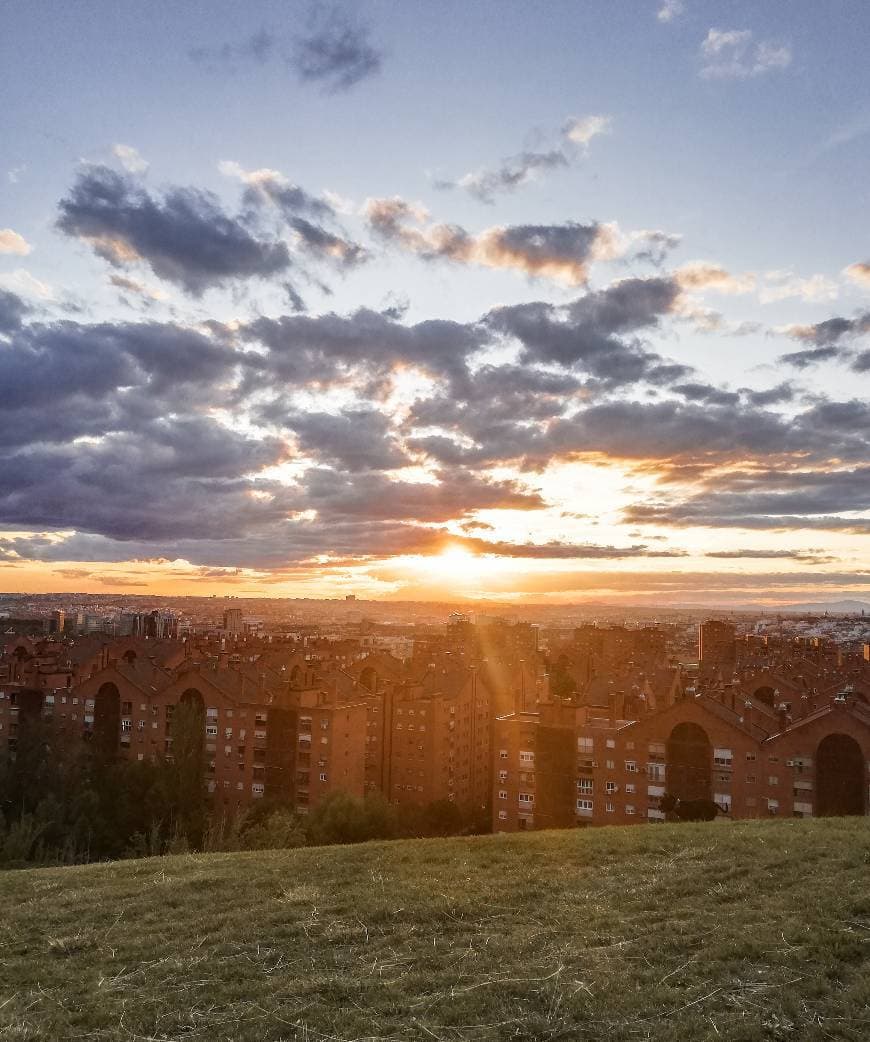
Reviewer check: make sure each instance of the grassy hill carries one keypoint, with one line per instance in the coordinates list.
(727, 931)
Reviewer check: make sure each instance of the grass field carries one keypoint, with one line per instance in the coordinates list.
(757, 930)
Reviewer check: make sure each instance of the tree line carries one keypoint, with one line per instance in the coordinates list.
(68, 801)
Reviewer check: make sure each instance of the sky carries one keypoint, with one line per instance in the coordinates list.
(548, 303)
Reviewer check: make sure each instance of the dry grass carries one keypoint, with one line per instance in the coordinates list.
(745, 931)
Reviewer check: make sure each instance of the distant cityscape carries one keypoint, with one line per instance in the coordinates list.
(535, 719)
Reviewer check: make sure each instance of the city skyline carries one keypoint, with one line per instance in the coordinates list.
(413, 302)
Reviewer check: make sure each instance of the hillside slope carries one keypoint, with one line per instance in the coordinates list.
(737, 931)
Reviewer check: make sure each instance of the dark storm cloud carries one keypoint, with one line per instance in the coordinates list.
(184, 236)
(336, 52)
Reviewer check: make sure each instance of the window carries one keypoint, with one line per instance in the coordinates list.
(257, 789)
(722, 757)
(228, 733)
(629, 787)
(584, 806)
(629, 808)
(322, 776)
(502, 794)
(655, 771)
(723, 799)
(502, 775)
(750, 779)
(608, 808)
(750, 757)
(585, 785)
(610, 765)
(586, 745)
(211, 713)
(657, 750)
(211, 730)
(772, 779)
(502, 754)
(629, 745)
(631, 766)
(773, 759)
(611, 787)
(527, 757)
(527, 797)
(773, 806)
(502, 815)
(611, 743)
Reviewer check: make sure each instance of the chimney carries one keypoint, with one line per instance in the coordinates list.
(747, 714)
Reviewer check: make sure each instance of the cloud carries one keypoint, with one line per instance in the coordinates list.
(130, 159)
(806, 556)
(735, 54)
(586, 333)
(793, 497)
(827, 339)
(255, 49)
(562, 551)
(525, 166)
(184, 236)
(306, 215)
(859, 273)
(559, 251)
(670, 10)
(12, 242)
(336, 52)
(20, 281)
(702, 275)
(781, 285)
(355, 439)
(582, 129)
(514, 171)
(138, 289)
(810, 357)
(12, 311)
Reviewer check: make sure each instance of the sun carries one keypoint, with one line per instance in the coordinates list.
(454, 562)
